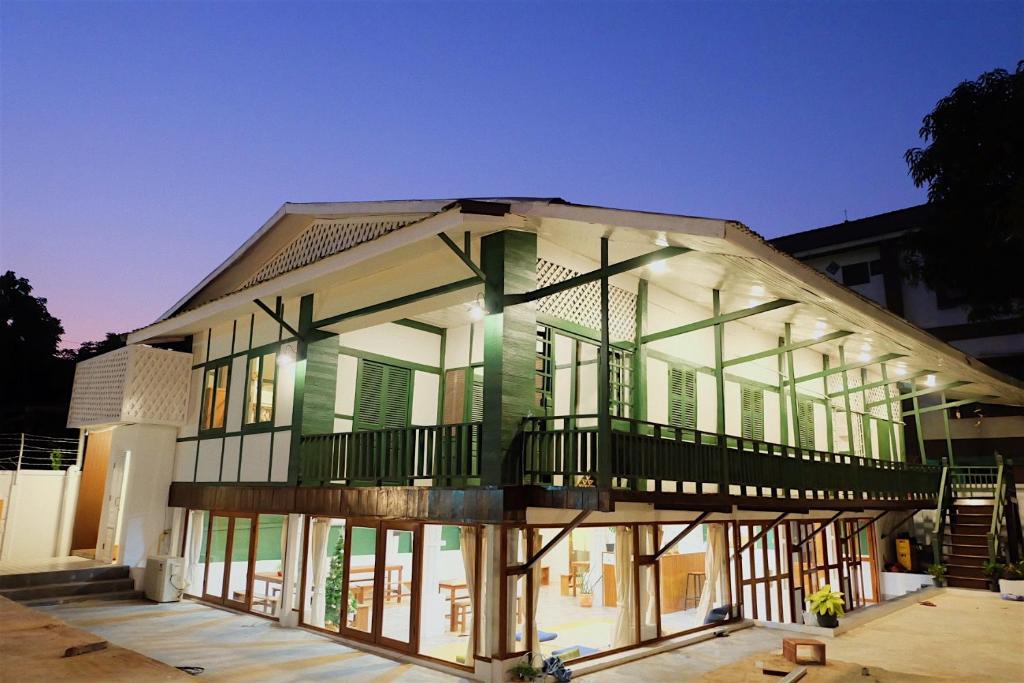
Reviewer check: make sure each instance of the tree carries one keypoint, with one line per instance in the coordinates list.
(973, 166)
(335, 576)
(90, 349)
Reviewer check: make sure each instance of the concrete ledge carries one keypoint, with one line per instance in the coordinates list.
(859, 617)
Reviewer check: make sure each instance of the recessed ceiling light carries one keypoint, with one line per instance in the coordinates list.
(930, 380)
(864, 356)
(661, 241)
(659, 267)
(900, 370)
(757, 290)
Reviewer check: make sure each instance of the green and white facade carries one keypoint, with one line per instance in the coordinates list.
(544, 401)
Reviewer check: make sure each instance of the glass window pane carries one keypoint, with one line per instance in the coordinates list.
(238, 572)
(208, 386)
(220, 398)
(269, 568)
(266, 406)
(218, 556)
(252, 390)
(361, 581)
(325, 567)
(399, 575)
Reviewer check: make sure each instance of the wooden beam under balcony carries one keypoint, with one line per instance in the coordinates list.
(793, 346)
(835, 370)
(605, 271)
(400, 301)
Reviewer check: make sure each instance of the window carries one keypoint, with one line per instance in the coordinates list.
(682, 397)
(463, 400)
(752, 413)
(259, 389)
(476, 396)
(384, 398)
(215, 397)
(856, 274)
(620, 367)
(544, 375)
(805, 418)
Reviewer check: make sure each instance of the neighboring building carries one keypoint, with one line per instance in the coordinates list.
(866, 256)
(463, 430)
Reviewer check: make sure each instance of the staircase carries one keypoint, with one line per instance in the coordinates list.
(977, 522)
(35, 589)
(968, 542)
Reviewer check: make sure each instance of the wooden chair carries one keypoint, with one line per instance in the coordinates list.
(696, 581)
(459, 618)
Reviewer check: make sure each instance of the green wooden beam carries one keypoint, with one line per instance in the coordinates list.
(791, 372)
(865, 421)
(846, 400)
(716, 308)
(917, 428)
(640, 354)
(952, 404)
(923, 392)
(788, 347)
(883, 383)
(852, 366)
(604, 421)
(602, 273)
(893, 450)
(277, 318)
(417, 325)
(463, 255)
(783, 421)
(945, 429)
(718, 319)
(400, 301)
(829, 412)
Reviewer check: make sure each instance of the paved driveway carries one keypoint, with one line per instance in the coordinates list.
(234, 647)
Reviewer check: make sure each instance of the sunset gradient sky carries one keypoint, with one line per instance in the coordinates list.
(140, 143)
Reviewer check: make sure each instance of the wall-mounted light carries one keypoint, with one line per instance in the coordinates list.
(658, 267)
(285, 357)
(477, 310)
(662, 241)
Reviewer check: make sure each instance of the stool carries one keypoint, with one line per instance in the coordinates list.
(790, 645)
(696, 580)
(460, 611)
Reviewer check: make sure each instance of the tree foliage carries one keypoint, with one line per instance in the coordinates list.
(973, 166)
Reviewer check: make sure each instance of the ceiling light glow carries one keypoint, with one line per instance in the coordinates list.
(659, 267)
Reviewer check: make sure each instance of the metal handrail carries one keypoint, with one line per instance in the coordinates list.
(945, 500)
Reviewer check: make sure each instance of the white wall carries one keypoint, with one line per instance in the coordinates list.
(42, 508)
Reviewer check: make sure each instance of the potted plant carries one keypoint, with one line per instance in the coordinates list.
(524, 670)
(993, 570)
(585, 589)
(938, 572)
(827, 605)
(1013, 578)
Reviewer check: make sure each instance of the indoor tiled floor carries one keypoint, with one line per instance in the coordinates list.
(234, 647)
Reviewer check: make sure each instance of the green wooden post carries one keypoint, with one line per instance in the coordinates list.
(829, 412)
(794, 408)
(920, 434)
(865, 421)
(509, 261)
(893, 441)
(783, 377)
(604, 420)
(716, 304)
(945, 427)
(316, 377)
(846, 401)
(639, 397)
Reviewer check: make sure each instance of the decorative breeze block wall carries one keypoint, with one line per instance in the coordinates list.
(135, 384)
(582, 305)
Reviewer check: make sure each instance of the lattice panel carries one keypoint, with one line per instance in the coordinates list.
(157, 387)
(326, 238)
(582, 305)
(137, 384)
(98, 391)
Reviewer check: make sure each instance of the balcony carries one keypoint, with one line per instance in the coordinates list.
(562, 452)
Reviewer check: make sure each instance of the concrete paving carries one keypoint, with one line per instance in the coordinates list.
(966, 636)
(234, 647)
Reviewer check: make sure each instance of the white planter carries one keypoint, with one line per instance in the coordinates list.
(1016, 587)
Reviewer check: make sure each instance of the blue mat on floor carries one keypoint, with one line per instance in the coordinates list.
(545, 636)
(583, 651)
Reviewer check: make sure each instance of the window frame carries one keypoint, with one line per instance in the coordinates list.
(261, 355)
(359, 425)
(216, 367)
(758, 391)
(683, 399)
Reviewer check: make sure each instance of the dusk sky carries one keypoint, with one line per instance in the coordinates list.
(142, 143)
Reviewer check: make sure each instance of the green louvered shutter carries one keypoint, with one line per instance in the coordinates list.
(805, 411)
(682, 398)
(476, 408)
(752, 413)
(384, 392)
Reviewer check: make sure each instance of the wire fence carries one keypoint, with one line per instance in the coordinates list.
(36, 452)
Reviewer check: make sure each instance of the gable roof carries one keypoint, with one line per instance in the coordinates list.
(861, 231)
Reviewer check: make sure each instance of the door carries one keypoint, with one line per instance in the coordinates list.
(382, 562)
(106, 547)
(230, 546)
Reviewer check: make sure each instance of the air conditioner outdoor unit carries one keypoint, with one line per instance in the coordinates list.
(165, 578)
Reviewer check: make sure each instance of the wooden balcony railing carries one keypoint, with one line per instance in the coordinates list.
(646, 456)
(441, 455)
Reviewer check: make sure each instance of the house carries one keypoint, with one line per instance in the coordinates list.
(866, 255)
(464, 430)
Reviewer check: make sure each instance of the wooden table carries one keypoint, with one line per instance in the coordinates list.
(271, 581)
(392, 586)
(453, 586)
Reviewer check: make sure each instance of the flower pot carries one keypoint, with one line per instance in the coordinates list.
(587, 600)
(1014, 586)
(828, 620)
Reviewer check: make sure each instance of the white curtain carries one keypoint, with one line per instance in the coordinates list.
(535, 595)
(319, 532)
(280, 567)
(467, 542)
(625, 622)
(195, 548)
(714, 571)
(648, 594)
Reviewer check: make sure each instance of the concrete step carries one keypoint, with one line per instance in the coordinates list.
(101, 573)
(66, 599)
(955, 581)
(53, 590)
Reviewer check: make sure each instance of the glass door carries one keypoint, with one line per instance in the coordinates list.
(229, 559)
(216, 557)
(382, 561)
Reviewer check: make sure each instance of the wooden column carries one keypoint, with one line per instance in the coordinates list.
(639, 388)
(509, 261)
(793, 405)
(604, 420)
